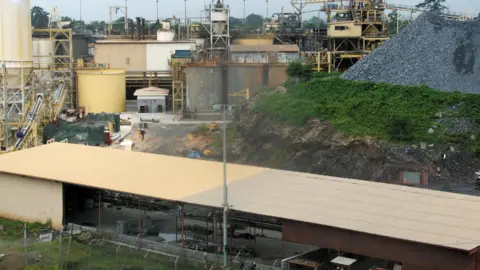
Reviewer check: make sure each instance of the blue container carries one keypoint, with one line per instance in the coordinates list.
(182, 54)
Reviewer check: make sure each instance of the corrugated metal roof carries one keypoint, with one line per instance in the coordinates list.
(142, 41)
(264, 48)
(418, 215)
(151, 91)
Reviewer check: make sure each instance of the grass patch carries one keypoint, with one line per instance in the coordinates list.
(102, 256)
(13, 229)
(218, 138)
(393, 112)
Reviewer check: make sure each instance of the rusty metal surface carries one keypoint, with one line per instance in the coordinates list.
(414, 256)
(204, 87)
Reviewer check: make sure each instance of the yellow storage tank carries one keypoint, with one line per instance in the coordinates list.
(102, 90)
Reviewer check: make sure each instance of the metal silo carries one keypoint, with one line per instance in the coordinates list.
(15, 54)
(15, 33)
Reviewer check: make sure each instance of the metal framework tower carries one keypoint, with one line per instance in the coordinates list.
(217, 25)
(114, 10)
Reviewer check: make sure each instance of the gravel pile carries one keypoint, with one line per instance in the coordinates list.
(442, 54)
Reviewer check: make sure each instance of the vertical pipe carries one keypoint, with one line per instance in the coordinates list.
(4, 104)
(139, 228)
(225, 191)
(60, 259)
(99, 210)
(183, 228)
(25, 243)
(176, 229)
(281, 246)
(215, 228)
(249, 232)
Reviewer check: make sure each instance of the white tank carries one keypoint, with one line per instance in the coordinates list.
(15, 38)
(219, 28)
(219, 16)
(42, 47)
(163, 35)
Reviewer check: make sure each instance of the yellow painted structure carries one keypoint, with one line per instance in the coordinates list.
(253, 39)
(344, 29)
(102, 90)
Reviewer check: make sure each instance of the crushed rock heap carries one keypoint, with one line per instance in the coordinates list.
(431, 51)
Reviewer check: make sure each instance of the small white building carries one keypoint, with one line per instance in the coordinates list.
(151, 100)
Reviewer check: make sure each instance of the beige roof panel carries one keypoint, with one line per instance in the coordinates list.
(419, 215)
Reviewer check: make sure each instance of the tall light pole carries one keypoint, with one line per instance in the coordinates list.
(186, 24)
(81, 26)
(244, 16)
(157, 10)
(225, 188)
(267, 10)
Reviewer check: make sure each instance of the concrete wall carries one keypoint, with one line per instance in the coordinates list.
(263, 57)
(158, 54)
(204, 87)
(29, 199)
(80, 46)
(152, 104)
(131, 57)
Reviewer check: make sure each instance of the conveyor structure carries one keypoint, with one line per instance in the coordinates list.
(26, 130)
(28, 135)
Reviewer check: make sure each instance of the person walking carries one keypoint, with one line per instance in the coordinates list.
(142, 132)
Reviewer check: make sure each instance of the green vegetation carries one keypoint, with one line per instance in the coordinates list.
(297, 69)
(392, 112)
(12, 229)
(103, 256)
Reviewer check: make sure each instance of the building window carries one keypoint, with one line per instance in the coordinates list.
(341, 27)
(128, 60)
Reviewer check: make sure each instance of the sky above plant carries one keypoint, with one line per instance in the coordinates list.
(98, 9)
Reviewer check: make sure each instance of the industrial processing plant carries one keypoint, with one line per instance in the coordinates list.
(217, 142)
(190, 65)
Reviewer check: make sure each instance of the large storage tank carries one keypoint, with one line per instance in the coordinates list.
(102, 90)
(15, 38)
(41, 51)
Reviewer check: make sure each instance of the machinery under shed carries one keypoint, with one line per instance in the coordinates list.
(419, 229)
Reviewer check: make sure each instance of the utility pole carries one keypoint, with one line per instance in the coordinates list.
(186, 24)
(225, 189)
(244, 16)
(267, 10)
(81, 21)
(4, 103)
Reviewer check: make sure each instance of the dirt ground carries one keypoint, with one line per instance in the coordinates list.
(162, 139)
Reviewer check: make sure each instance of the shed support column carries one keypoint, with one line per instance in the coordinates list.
(183, 228)
(281, 246)
(99, 210)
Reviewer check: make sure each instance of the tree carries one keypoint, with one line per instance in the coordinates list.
(432, 5)
(315, 22)
(396, 23)
(298, 70)
(39, 17)
(254, 21)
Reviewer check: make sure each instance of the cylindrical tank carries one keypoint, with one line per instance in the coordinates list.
(219, 16)
(15, 38)
(164, 35)
(41, 51)
(102, 90)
